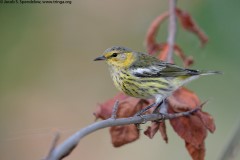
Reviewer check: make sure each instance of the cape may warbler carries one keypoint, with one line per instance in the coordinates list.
(143, 76)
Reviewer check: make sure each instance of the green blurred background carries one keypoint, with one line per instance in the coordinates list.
(49, 82)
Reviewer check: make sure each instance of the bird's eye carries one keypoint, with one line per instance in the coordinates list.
(114, 55)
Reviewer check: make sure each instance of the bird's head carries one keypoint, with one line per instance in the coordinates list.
(118, 56)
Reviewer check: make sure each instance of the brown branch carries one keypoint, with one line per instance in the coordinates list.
(172, 29)
(69, 144)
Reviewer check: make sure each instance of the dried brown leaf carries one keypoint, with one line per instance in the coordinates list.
(181, 104)
(187, 61)
(190, 128)
(207, 120)
(163, 131)
(183, 100)
(193, 128)
(157, 126)
(152, 45)
(152, 130)
(164, 52)
(196, 153)
(104, 110)
(189, 24)
(123, 134)
(130, 106)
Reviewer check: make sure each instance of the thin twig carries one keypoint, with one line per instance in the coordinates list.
(68, 145)
(232, 149)
(53, 145)
(115, 109)
(172, 29)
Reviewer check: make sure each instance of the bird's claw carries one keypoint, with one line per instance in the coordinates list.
(143, 122)
(163, 116)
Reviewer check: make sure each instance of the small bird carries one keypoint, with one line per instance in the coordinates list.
(144, 76)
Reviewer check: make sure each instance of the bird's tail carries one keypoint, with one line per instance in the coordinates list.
(205, 73)
(194, 74)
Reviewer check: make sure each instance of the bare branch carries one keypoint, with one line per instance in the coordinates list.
(172, 29)
(68, 145)
(115, 109)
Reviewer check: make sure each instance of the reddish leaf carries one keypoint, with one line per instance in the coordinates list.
(193, 129)
(130, 106)
(180, 104)
(123, 134)
(183, 100)
(152, 130)
(104, 110)
(164, 52)
(152, 45)
(190, 129)
(189, 24)
(163, 131)
(207, 120)
(187, 61)
(196, 153)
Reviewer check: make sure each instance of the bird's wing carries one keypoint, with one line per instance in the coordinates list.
(157, 68)
(172, 70)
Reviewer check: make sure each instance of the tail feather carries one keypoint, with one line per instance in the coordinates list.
(203, 72)
(194, 74)
(209, 72)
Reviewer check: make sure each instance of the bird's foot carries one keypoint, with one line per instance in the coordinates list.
(140, 114)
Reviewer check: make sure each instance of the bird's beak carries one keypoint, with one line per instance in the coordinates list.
(100, 58)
